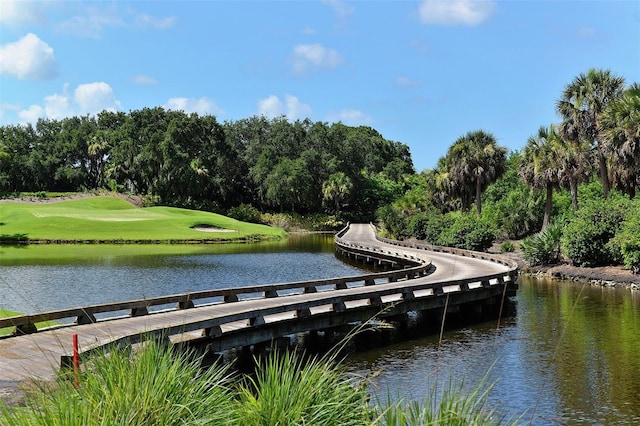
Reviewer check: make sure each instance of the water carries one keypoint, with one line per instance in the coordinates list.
(569, 355)
(96, 274)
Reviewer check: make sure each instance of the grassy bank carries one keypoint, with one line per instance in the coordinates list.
(110, 219)
(156, 386)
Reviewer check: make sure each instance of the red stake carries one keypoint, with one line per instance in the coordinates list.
(76, 361)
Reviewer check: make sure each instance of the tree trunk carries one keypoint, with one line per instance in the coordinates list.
(573, 187)
(478, 196)
(604, 173)
(548, 205)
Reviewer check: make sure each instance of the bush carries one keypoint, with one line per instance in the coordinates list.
(628, 239)
(507, 247)
(467, 231)
(588, 238)
(245, 213)
(543, 248)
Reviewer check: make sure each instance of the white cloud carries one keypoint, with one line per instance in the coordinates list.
(91, 21)
(350, 117)
(20, 12)
(28, 59)
(56, 106)
(292, 108)
(31, 114)
(340, 8)
(455, 12)
(144, 79)
(202, 106)
(90, 98)
(312, 57)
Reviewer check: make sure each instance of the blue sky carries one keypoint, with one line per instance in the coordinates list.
(420, 72)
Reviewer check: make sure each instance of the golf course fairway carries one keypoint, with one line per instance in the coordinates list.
(103, 219)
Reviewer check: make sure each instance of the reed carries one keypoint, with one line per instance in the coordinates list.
(154, 385)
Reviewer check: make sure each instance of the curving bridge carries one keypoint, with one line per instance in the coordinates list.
(424, 278)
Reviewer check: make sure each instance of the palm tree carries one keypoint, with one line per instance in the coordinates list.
(574, 162)
(621, 138)
(539, 167)
(474, 161)
(337, 189)
(581, 107)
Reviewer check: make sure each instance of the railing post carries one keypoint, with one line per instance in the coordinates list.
(138, 312)
(268, 294)
(28, 328)
(85, 318)
(230, 298)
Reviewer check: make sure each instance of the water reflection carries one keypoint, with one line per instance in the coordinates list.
(54, 277)
(570, 355)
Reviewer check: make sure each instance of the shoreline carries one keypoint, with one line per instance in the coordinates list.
(604, 276)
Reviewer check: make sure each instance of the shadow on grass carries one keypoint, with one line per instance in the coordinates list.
(14, 239)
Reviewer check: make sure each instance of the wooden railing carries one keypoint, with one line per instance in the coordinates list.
(25, 324)
(414, 266)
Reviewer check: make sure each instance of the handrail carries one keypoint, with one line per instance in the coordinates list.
(87, 314)
(419, 267)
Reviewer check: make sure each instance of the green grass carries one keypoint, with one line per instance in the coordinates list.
(113, 219)
(154, 385)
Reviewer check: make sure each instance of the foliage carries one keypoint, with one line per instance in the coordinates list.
(511, 206)
(628, 238)
(451, 407)
(588, 238)
(472, 163)
(151, 386)
(245, 213)
(155, 385)
(543, 248)
(469, 232)
(290, 390)
(507, 247)
(192, 161)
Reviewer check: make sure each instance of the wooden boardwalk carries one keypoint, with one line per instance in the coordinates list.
(247, 315)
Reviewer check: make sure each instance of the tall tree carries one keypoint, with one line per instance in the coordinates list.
(621, 138)
(336, 189)
(539, 166)
(581, 107)
(474, 161)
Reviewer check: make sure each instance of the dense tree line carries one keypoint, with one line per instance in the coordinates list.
(593, 151)
(195, 161)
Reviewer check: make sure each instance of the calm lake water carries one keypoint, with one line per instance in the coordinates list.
(569, 355)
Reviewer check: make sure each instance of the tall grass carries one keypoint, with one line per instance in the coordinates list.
(154, 385)
(452, 406)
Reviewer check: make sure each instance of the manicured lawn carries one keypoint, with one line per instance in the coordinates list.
(113, 219)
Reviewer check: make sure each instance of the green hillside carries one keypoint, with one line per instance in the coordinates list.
(110, 219)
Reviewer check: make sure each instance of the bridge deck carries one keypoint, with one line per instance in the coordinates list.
(38, 355)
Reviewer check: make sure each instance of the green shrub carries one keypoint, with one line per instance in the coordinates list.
(628, 239)
(393, 221)
(427, 225)
(543, 248)
(467, 231)
(245, 213)
(588, 238)
(507, 247)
